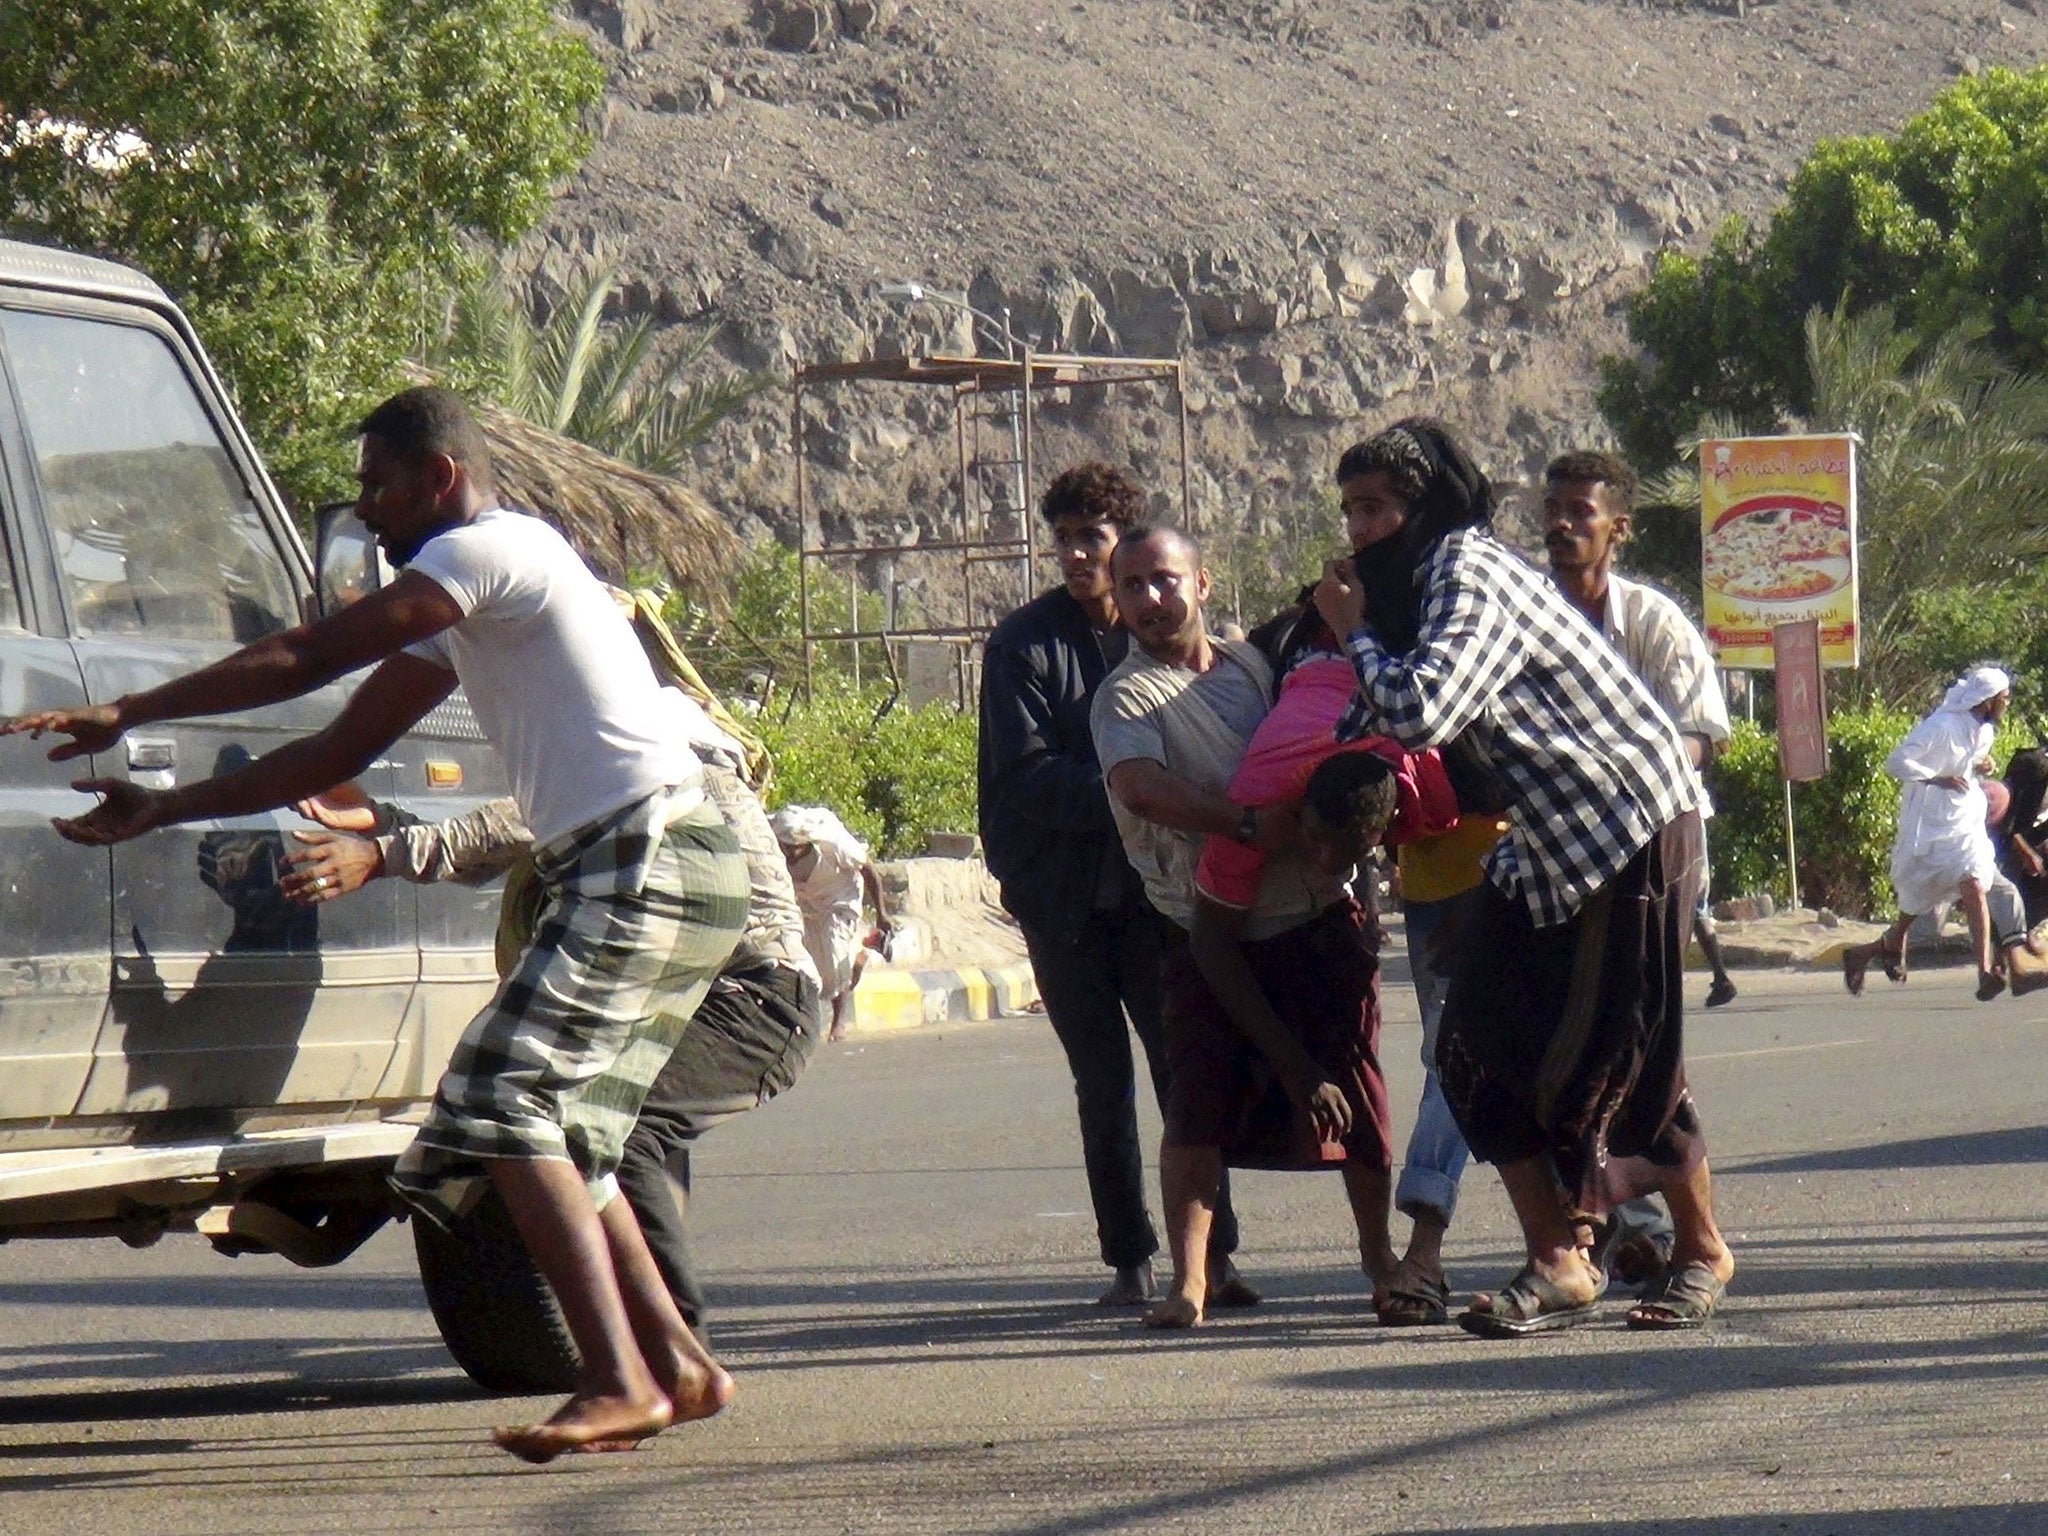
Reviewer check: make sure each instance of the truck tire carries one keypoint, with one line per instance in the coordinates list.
(495, 1312)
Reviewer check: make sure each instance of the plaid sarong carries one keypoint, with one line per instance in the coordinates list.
(638, 913)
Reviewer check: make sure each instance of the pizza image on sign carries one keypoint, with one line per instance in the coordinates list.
(1778, 549)
(1778, 544)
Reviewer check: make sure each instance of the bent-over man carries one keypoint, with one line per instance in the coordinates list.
(750, 1038)
(1052, 845)
(646, 889)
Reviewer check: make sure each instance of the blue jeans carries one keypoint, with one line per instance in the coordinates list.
(1436, 1151)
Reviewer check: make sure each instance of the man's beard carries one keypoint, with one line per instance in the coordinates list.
(401, 552)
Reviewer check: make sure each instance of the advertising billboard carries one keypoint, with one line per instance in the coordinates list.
(1778, 544)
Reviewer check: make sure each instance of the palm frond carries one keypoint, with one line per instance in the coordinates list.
(568, 342)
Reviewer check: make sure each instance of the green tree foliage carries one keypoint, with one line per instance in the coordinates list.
(595, 379)
(1952, 492)
(1946, 221)
(1258, 571)
(301, 175)
(1954, 629)
(894, 775)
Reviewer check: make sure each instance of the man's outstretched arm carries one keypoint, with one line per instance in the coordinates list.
(391, 700)
(472, 848)
(267, 671)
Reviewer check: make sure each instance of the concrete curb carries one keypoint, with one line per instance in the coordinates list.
(890, 998)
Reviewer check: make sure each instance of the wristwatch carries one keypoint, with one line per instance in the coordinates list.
(1248, 824)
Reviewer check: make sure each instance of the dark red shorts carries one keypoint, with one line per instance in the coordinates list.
(1323, 981)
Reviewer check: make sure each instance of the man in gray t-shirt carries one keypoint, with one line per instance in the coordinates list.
(1191, 724)
(1170, 724)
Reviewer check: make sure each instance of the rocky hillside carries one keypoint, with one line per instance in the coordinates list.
(1335, 210)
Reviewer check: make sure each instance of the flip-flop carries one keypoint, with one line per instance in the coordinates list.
(1526, 1305)
(1425, 1303)
(1854, 967)
(1891, 961)
(1687, 1298)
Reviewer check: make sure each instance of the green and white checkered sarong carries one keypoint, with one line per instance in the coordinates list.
(638, 913)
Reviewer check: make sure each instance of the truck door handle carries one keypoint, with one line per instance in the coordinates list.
(151, 755)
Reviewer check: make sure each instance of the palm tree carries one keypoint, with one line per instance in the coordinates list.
(1952, 471)
(590, 378)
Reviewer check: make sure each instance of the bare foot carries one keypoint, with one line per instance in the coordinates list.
(697, 1385)
(1855, 963)
(1382, 1269)
(587, 1423)
(1173, 1311)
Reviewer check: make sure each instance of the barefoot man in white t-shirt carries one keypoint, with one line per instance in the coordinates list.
(646, 888)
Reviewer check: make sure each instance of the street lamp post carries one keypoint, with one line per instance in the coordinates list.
(919, 293)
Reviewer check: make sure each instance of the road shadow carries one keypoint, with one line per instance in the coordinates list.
(2023, 1144)
(1792, 1284)
(377, 1378)
(1983, 1520)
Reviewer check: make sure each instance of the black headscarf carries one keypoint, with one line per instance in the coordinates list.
(1453, 494)
(1445, 492)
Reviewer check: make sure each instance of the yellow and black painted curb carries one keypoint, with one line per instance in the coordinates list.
(890, 999)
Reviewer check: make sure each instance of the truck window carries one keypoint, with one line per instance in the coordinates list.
(157, 533)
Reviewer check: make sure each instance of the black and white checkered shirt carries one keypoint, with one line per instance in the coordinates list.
(1594, 767)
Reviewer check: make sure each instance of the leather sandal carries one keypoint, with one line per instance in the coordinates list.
(1528, 1304)
(1423, 1302)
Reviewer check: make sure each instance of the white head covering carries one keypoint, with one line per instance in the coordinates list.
(1976, 686)
(796, 825)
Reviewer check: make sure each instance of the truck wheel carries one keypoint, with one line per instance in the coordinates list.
(495, 1312)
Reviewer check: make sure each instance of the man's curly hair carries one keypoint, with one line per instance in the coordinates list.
(1594, 468)
(1099, 492)
(1394, 453)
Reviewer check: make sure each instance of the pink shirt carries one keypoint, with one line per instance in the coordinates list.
(1298, 733)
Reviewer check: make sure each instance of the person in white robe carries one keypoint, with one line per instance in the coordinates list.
(1943, 851)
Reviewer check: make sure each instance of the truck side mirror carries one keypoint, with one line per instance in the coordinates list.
(347, 563)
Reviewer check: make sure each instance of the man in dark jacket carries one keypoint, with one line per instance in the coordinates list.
(1046, 829)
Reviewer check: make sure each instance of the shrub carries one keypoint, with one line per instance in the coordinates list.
(1845, 821)
(764, 629)
(893, 780)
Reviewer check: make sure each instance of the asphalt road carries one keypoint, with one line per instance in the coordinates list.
(903, 1266)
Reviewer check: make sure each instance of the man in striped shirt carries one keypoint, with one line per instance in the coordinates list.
(1561, 1047)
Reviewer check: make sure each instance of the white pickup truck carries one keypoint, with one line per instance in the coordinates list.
(181, 1049)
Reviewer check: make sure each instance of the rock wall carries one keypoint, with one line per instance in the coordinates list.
(1335, 213)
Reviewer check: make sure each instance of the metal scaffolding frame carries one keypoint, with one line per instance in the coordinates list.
(986, 392)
